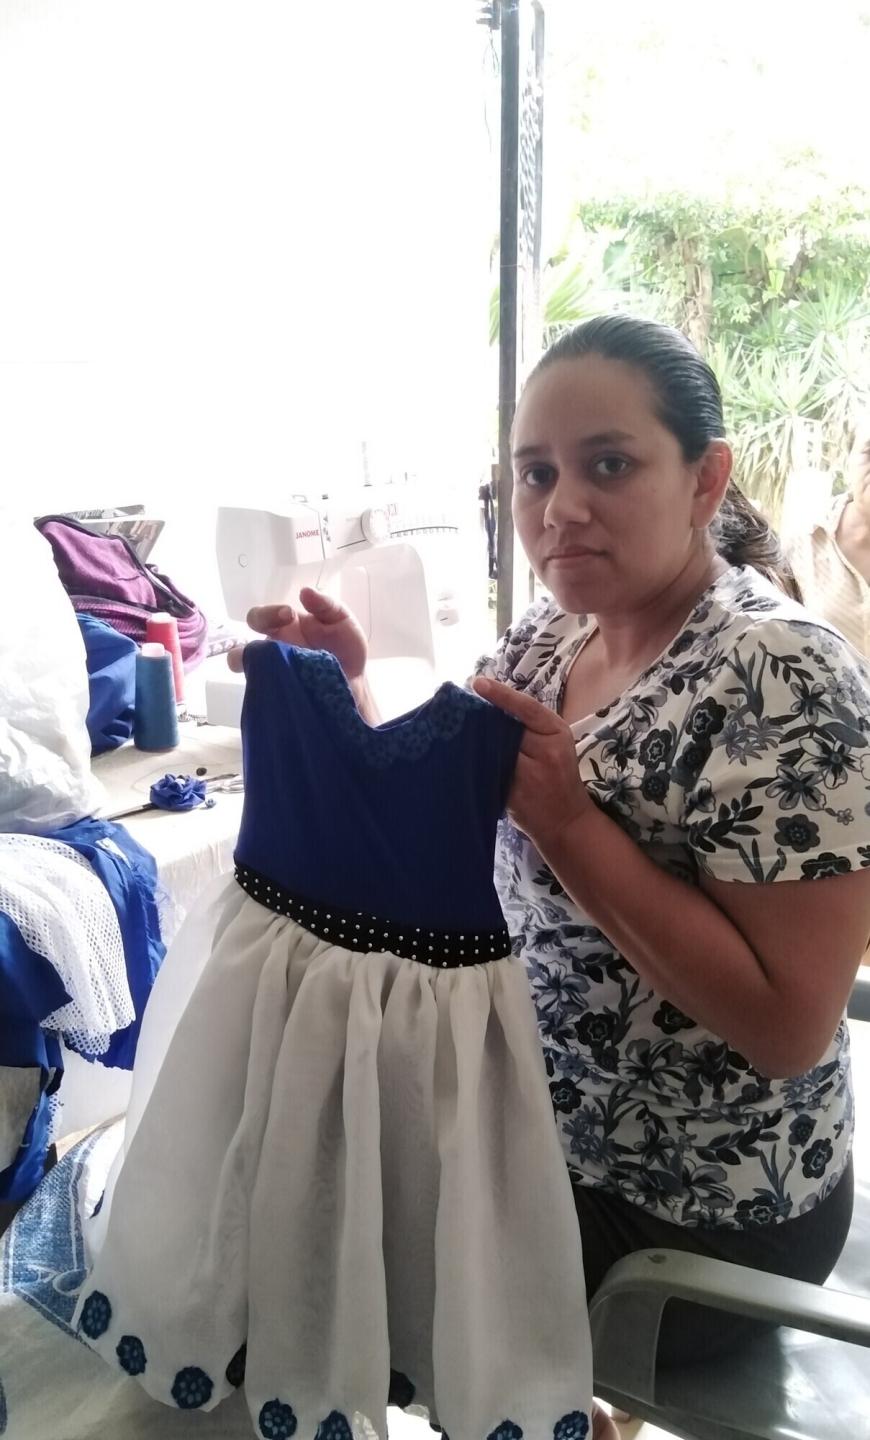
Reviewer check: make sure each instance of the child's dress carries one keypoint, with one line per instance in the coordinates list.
(346, 1164)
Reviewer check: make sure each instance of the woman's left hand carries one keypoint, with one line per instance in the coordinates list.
(547, 793)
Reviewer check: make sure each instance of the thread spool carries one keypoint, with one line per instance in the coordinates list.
(155, 718)
(161, 628)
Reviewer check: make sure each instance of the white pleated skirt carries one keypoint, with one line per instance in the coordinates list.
(339, 1165)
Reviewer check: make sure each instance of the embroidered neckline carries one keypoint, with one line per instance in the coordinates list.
(408, 736)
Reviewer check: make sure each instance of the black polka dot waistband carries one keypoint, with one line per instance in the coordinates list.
(358, 930)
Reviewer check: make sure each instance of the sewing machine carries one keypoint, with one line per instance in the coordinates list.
(393, 557)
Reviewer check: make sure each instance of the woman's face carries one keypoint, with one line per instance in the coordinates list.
(607, 509)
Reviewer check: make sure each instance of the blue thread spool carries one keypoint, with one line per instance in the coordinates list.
(155, 719)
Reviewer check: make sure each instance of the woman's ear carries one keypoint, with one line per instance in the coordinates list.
(712, 473)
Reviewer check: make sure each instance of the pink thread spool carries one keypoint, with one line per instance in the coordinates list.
(162, 629)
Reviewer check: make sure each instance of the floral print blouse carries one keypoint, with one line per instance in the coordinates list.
(744, 752)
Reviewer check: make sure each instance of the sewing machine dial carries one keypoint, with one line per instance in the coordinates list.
(375, 525)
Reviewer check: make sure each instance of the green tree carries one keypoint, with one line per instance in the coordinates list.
(778, 300)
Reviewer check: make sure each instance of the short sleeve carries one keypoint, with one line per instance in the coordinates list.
(532, 652)
(774, 758)
(486, 665)
(513, 645)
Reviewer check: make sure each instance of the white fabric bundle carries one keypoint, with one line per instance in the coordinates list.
(64, 913)
(45, 752)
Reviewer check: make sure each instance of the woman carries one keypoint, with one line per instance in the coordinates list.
(831, 559)
(692, 737)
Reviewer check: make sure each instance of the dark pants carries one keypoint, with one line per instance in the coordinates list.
(804, 1248)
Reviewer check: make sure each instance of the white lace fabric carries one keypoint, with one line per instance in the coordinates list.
(63, 912)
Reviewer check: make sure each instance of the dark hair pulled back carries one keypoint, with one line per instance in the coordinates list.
(689, 405)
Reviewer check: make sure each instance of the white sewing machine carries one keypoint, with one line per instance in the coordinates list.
(391, 556)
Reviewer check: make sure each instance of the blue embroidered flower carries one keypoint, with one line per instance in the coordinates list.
(572, 1427)
(177, 792)
(277, 1421)
(96, 1315)
(131, 1354)
(191, 1388)
(334, 1427)
(235, 1371)
(507, 1430)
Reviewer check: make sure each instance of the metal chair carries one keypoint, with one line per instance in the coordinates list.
(806, 1379)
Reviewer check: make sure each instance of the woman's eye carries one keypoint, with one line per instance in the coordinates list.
(536, 476)
(610, 466)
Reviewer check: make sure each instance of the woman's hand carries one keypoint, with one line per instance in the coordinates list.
(320, 624)
(547, 794)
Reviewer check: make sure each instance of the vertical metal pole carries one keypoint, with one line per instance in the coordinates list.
(507, 305)
(539, 159)
(539, 40)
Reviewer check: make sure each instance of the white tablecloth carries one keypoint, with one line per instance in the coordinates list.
(190, 847)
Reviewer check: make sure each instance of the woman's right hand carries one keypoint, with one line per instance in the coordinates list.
(320, 623)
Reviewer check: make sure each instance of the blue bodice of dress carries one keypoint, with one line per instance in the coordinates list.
(396, 821)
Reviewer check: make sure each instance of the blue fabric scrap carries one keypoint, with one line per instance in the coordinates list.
(177, 792)
(111, 662)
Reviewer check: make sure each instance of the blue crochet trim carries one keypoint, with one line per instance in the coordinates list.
(96, 1315)
(131, 1355)
(277, 1421)
(334, 1427)
(572, 1427)
(191, 1388)
(408, 738)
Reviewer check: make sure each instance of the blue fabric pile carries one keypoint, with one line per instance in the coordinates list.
(30, 989)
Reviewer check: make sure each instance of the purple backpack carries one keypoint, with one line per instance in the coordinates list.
(103, 576)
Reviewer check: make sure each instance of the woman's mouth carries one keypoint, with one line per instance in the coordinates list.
(576, 552)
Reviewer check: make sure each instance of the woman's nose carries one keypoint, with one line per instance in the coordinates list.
(568, 503)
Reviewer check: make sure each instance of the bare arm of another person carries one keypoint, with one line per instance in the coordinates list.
(767, 967)
(320, 623)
